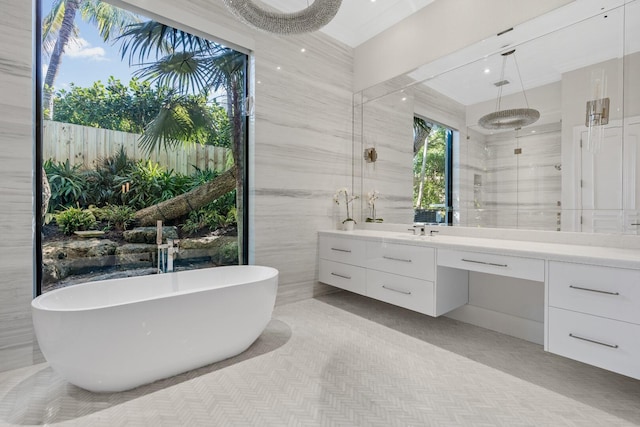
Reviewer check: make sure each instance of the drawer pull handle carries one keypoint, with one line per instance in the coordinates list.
(594, 290)
(341, 275)
(593, 341)
(400, 291)
(341, 250)
(485, 263)
(396, 259)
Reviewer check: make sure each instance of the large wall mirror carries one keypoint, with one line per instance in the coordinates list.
(575, 168)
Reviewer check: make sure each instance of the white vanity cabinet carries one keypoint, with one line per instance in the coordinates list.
(342, 263)
(592, 312)
(400, 274)
(594, 315)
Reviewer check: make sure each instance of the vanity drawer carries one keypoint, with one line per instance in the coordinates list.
(407, 292)
(502, 265)
(603, 291)
(348, 251)
(407, 260)
(609, 344)
(345, 276)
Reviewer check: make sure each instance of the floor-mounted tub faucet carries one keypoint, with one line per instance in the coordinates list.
(166, 252)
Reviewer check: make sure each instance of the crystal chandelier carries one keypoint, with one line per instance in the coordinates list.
(311, 18)
(514, 118)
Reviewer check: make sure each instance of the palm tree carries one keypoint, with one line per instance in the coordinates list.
(59, 30)
(189, 64)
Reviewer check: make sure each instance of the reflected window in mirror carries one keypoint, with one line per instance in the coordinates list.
(432, 172)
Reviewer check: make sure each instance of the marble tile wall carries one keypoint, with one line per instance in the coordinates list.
(16, 154)
(388, 127)
(520, 190)
(301, 154)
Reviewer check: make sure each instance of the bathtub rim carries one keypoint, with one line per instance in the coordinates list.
(36, 302)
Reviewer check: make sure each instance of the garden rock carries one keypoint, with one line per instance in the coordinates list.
(72, 249)
(208, 247)
(136, 255)
(148, 234)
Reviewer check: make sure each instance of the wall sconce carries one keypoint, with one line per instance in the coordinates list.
(597, 114)
(370, 155)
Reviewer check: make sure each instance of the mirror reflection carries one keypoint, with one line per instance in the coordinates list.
(573, 168)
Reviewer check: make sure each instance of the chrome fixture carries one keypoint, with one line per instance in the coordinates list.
(512, 118)
(309, 19)
(166, 255)
(419, 226)
(167, 251)
(597, 114)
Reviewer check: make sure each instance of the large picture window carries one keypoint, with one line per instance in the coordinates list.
(142, 147)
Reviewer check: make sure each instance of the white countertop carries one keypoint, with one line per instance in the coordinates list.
(606, 256)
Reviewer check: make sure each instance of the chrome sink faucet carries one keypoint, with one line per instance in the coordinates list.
(419, 226)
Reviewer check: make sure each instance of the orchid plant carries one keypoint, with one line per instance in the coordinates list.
(343, 193)
(372, 196)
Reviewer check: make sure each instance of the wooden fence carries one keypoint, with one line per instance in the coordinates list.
(86, 145)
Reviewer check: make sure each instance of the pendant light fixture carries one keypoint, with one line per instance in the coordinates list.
(309, 19)
(514, 118)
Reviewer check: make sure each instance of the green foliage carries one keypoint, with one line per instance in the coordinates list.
(434, 189)
(68, 184)
(104, 183)
(136, 107)
(229, 253)
(150, 183)
(217, 214)
(117, 216)
(75, 219)
(115, 106)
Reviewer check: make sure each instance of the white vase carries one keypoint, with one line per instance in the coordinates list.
(348, 225)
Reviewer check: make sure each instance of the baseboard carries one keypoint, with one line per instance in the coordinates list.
(518, 327)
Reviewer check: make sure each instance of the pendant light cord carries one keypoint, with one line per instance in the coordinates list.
(504, 66)
(520, 77)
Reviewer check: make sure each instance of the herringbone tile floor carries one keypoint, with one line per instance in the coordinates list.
(344, 360)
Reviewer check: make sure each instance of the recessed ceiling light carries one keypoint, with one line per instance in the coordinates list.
(487, 70)
(404, 98)
(533, 131)
(278, 67)
(303, 50)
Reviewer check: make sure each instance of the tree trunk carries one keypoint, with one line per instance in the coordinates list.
(423, 169)
(70, 8)
(239, 160)
(184, 203)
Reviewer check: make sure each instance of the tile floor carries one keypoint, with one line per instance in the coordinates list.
(345, 360)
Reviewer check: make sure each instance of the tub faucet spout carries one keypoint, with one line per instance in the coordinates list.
(173, 248)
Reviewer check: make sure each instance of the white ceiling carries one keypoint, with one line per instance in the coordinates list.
(358, 20)
(580, 34)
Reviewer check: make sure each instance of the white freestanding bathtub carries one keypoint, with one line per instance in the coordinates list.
(115, 335)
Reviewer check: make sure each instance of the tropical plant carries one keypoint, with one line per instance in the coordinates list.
(104, 183)
(75, 219)
(59, 30)
(429, 170)
(118, 216)
(189, 64)
(68, 184)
